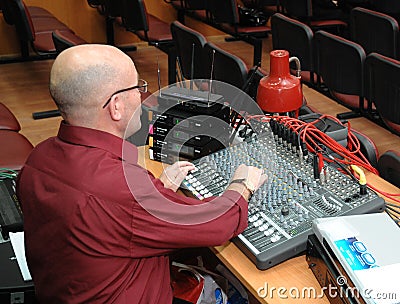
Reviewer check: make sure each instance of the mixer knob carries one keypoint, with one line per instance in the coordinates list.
(285, 211)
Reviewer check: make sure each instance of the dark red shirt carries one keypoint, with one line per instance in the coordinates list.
(99, 228)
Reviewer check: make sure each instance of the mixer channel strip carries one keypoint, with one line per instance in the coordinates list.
(281, 211)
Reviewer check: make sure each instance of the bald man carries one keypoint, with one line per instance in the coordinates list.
(98, 227)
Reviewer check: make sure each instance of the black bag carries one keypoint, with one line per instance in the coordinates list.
(251, 17)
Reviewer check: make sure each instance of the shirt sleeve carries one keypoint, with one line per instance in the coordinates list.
(163, 220)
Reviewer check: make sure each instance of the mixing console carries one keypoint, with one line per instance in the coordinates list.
(282, 210)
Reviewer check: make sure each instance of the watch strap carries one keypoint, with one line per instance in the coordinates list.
(243, 182)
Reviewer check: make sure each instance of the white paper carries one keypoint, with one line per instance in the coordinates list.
(17, 242)
(380, 284)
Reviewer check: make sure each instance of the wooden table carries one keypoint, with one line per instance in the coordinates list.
(283, 283)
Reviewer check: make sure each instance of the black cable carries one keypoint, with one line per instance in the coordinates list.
(342, 167)
(392, 205)
(393, 210)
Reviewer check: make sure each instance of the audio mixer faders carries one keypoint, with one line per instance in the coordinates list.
(282, 210)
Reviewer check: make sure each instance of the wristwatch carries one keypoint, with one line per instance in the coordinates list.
(249, 185)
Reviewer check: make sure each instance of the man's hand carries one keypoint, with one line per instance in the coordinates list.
(252, 175)
(173, 176)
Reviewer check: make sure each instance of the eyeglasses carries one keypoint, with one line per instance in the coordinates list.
(141, 86)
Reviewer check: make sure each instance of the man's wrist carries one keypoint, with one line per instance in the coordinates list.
(241, 189)
(246, 183)
(243, 184)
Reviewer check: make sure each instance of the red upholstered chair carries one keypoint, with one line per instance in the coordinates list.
(34, 11)
(14, 149)
(374, 31)
(389, 7)
(145, 25)
(340, 63)
(382, 86)
(7, 119)
(303, 11)
(297, 38)
(189, 47)
(389, 167)
(64, 40)
(149, 28)
(224, 15)
(34, 31)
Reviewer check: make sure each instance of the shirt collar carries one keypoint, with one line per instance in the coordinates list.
(99, 139)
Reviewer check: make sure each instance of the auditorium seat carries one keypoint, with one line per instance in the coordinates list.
(302, 10)
(7, 119)
(34, 11)
(374, 31)
(389, 167)
(227, 67)
(382, 83)
(14, 150)
(64, 40)
(111, 11)
(224, 15)
(193, 8)
(340, 63)
(150, 28)
(189, 48)
(37, 31)
(389, 7)
(296, 38)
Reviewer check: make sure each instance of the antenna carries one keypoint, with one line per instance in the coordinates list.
(158, 77)
(180, 76)
(192, 68)
(211, 77)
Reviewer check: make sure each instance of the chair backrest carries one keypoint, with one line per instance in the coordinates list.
(386, 6)
(64, 40)
(227, 67)
(382, 83)
(389, 167)
(340, 63)
(7, 12)
(295, 37)
(134, 15)
(112, 8)
(195, 4)
(224, 11)
(189, 45)
(374, 31)
(231, 71)
(22, 20)
(301, 9)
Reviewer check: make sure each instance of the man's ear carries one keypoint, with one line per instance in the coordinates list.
(115, 107)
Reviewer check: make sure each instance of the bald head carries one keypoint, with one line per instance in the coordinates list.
(84, 77)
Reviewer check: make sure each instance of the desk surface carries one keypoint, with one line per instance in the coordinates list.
(291, 276)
